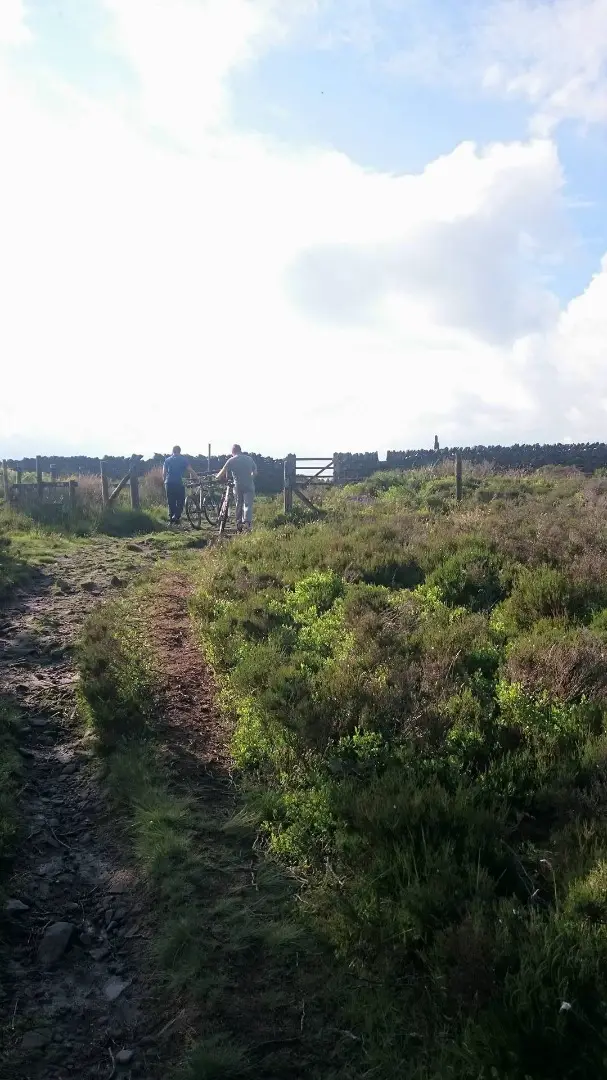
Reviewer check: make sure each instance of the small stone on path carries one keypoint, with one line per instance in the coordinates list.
(35, 1040)
(114, 988)
(54, 943)
(124, 1057)
(118, 886)
(51, 868)
(15, 907)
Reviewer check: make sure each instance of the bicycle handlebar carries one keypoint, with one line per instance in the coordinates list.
(208, 477)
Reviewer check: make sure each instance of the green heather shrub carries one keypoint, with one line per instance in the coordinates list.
(548, 593)
(473, 576)
(419, 700)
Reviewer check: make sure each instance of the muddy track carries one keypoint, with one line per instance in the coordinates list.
(74, 996)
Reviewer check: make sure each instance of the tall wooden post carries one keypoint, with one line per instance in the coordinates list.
(73, 484)
(54, 473)
(436, 443)
(290, 469)
(7, 489)
(39, 475)
(459, 489)
(209, 461)
(105, 488)
(134, 484)
(19, 477)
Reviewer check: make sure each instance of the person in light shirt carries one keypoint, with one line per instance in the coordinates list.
(242, 470)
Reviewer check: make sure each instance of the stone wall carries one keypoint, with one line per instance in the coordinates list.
(350, 466)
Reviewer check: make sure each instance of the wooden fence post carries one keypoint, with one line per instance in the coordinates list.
(209, 461)
(7, 489)
(71, 494)
(436, 443)
(290, 468)
(19, 477)
(105, 490)
(459, 490)
(39, 476)
(134, 484)
(53, 473)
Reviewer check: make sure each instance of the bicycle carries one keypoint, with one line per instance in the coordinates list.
(203, 501)
(224, 511)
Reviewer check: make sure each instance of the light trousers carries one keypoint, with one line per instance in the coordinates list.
(244, 506)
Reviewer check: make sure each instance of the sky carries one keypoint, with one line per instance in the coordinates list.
(303, 225)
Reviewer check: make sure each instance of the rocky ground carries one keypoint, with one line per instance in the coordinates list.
(75, 999)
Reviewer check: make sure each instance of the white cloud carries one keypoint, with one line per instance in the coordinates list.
(287, 298)
(461, 239)
(13, 28)
(553, 54)
(549, 53)
(184, 50)
(579, 343)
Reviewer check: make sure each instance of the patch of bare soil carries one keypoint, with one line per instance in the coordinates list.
(195, 731)
(74, 996)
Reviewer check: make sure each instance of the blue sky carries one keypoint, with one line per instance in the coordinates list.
(338, 98)
(394, 207)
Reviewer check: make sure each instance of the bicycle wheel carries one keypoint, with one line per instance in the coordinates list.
(211, 508)
(223, 513)
(193, 511)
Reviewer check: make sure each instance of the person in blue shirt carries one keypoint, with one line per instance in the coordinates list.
(173, 472)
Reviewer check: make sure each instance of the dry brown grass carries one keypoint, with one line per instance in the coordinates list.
(151, 488)
(88, 494)
(567, 667)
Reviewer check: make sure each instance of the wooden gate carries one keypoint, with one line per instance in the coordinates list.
(302, 472)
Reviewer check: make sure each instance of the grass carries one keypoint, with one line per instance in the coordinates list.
(26, 548)
(31, 542)
(88, 517)
(417, 696)
(229, 948)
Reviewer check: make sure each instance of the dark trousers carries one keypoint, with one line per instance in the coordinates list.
(175, 498)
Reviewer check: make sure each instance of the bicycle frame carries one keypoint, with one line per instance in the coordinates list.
(225, 507)
(202, 491)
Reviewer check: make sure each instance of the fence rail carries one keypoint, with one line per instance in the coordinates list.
(47, 492)
(292, 474)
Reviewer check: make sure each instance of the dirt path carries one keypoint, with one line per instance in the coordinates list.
(73, 1001)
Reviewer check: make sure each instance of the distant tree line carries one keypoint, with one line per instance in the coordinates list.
(584, 456)
(270, 469)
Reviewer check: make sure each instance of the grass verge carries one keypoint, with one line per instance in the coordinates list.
(230, 947)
